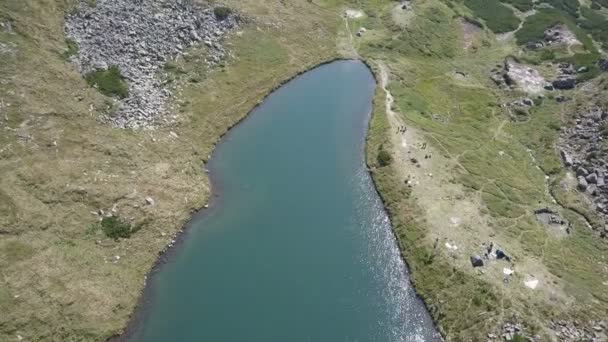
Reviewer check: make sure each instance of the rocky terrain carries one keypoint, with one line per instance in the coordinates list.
(582, 150)
(139, 37)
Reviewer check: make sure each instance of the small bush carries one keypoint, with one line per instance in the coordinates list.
(110, 82)
(518, 338)
(384, 158)
(72, 49)
(222, 12)
(115, 228)
(554, 126)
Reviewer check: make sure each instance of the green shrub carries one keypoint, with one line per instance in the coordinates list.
(110, 82)
(115, 228)
(568, 6)
(518, 338)
(384, 158)
(222, 12)
(72, 48)
(596, 24)
(498, 17)
(547, 55)
(554, 126)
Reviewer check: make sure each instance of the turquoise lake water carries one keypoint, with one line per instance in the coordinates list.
(296, 245)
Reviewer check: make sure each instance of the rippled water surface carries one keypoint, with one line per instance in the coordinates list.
(296, 246)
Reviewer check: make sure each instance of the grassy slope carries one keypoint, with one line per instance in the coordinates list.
(58, 280)
(423, 56)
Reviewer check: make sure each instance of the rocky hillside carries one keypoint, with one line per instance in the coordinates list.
(140, 38)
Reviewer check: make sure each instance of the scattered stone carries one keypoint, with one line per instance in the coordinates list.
(564, 83)
(531, 283)
(139, 37)
(150, 201)
(582, 144)
(582, 183)
(560, 34)
(566, 158)
(476, 261)
(524, 77)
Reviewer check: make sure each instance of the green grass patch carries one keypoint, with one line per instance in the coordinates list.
(569, 6)
(596, 24)
(498, 17)
(110, 82)
(434, 36)
(114, 227)
(384, 158)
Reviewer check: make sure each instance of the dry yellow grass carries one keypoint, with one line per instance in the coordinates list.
(60, 278)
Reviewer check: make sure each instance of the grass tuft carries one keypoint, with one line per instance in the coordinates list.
(110, 82)
(114, 227)
(222, 12)
(72, 49)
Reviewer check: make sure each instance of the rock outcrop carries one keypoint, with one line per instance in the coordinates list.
(581, 150)
(139, 36)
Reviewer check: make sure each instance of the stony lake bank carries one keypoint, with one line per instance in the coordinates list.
(489, 104)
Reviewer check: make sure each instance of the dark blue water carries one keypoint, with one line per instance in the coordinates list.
(297, 247)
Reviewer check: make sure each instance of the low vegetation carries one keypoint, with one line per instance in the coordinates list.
(114, 227)
(500, 161)
(60, 166)
(497, 17)
(72, 48)
(384, 157)
(109, 82)
(222, 12)
(596, 24)
(569, 6)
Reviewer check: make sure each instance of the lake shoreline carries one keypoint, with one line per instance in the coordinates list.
(168, 254)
